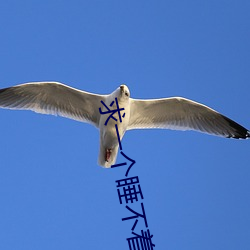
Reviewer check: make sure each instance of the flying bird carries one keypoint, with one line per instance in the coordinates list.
(167, 113)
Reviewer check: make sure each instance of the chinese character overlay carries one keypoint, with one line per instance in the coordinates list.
(112, 112)
(141, 242)
(129, 189)
(143, 215)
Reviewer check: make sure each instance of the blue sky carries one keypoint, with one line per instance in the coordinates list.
(196, 187)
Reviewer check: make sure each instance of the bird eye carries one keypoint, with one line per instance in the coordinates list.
(126, 93)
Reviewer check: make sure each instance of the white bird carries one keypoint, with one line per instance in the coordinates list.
(167, 113)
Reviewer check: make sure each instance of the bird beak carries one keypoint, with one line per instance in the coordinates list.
(122, 88)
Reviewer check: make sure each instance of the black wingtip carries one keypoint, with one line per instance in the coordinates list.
(239, 131)
(248, 134)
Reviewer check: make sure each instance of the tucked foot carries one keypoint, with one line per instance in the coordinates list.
(108, 154)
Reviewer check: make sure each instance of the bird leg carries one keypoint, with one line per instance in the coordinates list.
(108, 154)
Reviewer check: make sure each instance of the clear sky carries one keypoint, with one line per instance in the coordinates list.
(196, 187)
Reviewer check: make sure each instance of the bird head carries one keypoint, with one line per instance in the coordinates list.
(124, 91)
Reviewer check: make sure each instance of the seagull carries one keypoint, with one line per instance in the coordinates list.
(175, 113)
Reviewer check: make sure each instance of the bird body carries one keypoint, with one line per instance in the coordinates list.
(166, 113)
(108, 135)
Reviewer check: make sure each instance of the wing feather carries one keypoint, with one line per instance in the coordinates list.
(53, 98)
(182, 114)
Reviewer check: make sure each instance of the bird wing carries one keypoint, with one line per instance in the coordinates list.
(182, 114)
(53, 98)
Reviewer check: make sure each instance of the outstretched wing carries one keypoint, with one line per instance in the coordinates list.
(53, 98)
(182, 114)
